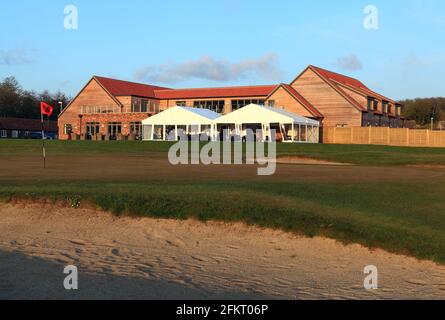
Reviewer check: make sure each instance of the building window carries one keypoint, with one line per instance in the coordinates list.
(93, 128)
(216, 106)
(389, 109)
(136, 128)
(3, 133)
(139, 105)
(271, 103)
(67, 129)
(181, 103)
(136, 106)
(238, 104)
(376, 105)
(114, 128)
(144, 105)
(14, 134)
(370, 104)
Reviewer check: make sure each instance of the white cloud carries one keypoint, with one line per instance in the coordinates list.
(209, 68)
(64, 83)
(349, 63)
(18, 56)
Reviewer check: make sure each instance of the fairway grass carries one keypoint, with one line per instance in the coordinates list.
(355, 154)
(401, 217)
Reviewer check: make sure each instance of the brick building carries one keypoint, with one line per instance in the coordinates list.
(113, 109)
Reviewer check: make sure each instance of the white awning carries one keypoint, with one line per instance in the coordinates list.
(182, 116)
(253, 114)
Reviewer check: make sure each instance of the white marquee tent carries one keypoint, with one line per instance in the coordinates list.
(169, 123)
(288, 126)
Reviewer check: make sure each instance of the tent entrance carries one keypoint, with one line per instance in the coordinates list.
(256, 129)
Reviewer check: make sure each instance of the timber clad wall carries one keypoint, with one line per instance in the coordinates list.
(283, 99)
(335, 109)
(362, 100)
(384, 136)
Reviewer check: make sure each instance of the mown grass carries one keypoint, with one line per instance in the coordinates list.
(400, 217)
(355, 154)
(397, 217)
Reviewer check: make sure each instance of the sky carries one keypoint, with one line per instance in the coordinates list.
(183, 44)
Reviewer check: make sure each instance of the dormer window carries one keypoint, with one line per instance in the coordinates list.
(385, 107)
(370, 104)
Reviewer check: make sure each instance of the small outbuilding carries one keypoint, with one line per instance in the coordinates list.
(288, 126)
(169, 124)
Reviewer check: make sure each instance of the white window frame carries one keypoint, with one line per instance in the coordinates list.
(3, 133)
(14, 134)
(65, 127)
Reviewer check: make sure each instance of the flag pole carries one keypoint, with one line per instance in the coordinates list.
(43, 141)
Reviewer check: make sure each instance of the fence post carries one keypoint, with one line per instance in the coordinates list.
(427, 138)
(388, 136)
(334, 136)
(352, 135)
(370, 135)
(407, 137)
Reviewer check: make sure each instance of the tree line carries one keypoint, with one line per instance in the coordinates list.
(422, 110)
(15, 102)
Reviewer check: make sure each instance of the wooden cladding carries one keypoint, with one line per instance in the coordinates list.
(384, 136)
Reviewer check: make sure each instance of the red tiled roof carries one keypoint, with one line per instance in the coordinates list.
(302, 100)
(249, 91)
(27, 124)
(350, 82)
(340, 78)
(348, 97)
(370, 93)
(126, 88)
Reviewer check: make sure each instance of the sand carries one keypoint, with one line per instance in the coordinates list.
(144, 258)
(309, 161)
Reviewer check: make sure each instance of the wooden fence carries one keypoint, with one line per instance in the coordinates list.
(384, 136)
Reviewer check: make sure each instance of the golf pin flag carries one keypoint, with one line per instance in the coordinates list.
(46, 109)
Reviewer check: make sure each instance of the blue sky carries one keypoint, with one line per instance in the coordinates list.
(224, 42)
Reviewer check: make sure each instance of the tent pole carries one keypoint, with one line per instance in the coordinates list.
(293, 132)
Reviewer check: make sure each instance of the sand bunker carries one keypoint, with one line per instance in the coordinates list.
(309, 161)
(143, 258)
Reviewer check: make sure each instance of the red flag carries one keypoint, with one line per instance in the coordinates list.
(46, 109)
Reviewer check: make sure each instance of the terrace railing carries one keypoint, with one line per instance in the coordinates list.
(104, 109)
